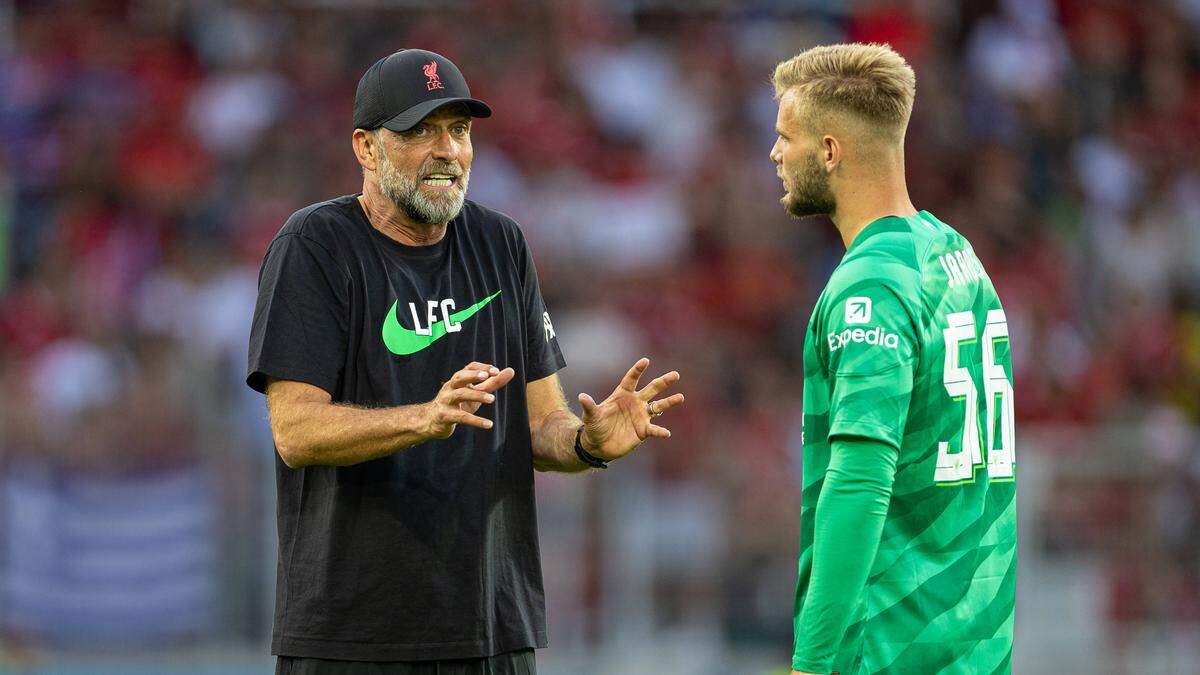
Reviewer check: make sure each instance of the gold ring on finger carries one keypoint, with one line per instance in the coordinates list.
(650, 410)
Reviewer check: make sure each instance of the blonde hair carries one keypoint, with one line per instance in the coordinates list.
(869, 81)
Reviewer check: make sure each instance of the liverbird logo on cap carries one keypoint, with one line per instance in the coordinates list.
(434, 82)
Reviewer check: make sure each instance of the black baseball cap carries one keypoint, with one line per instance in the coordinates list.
(400, 89)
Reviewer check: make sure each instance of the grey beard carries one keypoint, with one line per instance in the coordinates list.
(405, 192)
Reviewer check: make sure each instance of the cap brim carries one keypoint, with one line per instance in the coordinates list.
(409, 118)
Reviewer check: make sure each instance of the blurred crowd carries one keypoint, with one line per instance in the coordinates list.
(150, 150)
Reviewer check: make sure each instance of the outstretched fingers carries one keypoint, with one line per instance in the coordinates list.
(664, 404)
(467, 395)
(464, 417)
(655, 431)
(472, 374)
(496, 380)
(630, 381)
(589, 405)
(658, 384)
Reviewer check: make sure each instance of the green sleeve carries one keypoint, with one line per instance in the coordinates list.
(848, 524)
(871, 350)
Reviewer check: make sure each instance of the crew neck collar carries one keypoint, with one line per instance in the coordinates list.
(426, 251)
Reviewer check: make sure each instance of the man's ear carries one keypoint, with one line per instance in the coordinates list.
(831, 153)
(365, 148)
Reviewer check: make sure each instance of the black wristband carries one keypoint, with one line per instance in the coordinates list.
(585, 456)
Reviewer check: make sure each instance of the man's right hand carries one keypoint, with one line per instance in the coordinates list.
(460, 397)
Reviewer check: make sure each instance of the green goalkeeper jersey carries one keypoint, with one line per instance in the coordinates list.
(908, 346)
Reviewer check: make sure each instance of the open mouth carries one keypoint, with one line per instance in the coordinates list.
(440, 181)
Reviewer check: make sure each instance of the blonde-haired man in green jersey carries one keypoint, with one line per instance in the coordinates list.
(908, 544)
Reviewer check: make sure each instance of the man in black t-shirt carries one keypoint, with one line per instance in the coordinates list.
(409, 364)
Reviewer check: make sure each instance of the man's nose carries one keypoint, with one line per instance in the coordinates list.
(775, 154)
(445, 147)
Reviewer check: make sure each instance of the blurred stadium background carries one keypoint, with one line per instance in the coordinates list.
(150, 149)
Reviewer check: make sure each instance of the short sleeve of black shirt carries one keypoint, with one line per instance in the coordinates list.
(543, 355)
(299, 330)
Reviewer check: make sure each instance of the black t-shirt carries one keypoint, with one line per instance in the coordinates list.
(430, 553)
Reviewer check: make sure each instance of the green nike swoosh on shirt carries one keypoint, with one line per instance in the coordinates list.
(403, 341)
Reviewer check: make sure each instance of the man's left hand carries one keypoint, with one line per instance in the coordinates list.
(614, 427)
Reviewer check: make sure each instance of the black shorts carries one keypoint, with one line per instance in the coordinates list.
(520, 662)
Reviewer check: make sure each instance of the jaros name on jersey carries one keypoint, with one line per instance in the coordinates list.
(961, 267)
(871, 336)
